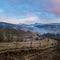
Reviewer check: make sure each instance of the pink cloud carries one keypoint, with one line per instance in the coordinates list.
(28, 18)
(55, 8)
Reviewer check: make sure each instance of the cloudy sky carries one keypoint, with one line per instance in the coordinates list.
(30, 11)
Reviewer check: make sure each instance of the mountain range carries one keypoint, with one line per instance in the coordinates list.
(39, 28)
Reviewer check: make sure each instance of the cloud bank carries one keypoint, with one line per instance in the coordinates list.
(55, 7)
(30, 11)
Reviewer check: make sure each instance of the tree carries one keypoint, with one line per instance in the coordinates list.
(1, 36)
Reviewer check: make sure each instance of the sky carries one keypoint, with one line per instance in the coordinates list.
(30, 11)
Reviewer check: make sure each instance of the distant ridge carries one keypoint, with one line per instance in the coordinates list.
(37, 27)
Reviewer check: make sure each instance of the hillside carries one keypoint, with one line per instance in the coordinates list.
(13, 35)
(22, 32)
